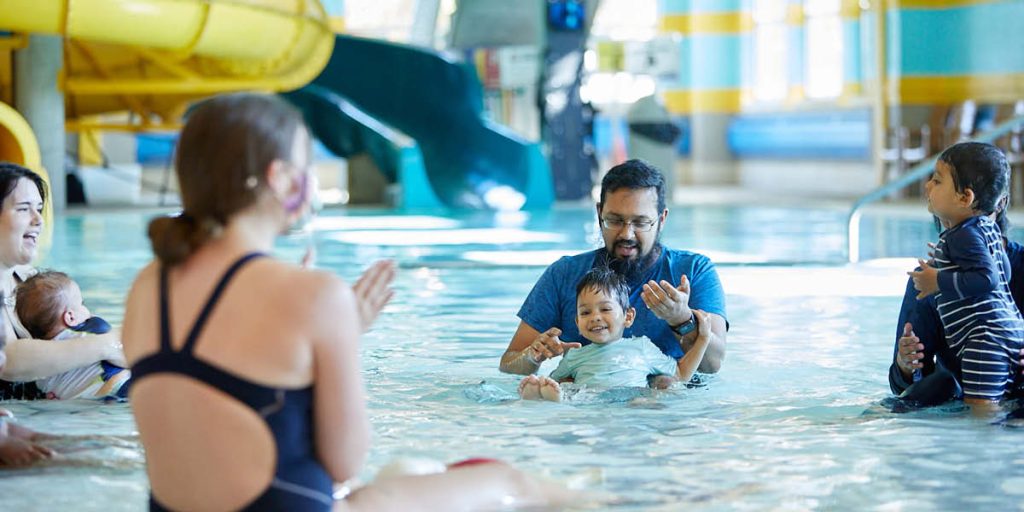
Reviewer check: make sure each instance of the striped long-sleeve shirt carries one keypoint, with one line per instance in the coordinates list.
(979, 317)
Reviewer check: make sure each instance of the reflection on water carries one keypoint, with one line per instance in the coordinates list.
(791, 422)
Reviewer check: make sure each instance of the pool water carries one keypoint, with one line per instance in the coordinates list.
(792, 422)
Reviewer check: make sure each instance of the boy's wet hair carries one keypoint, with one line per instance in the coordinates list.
(982, 168)
(608, 281)
(40, 301)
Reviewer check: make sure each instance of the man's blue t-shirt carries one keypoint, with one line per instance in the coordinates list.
(552, 302)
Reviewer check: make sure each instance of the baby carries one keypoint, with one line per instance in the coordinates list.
(602, 313)
(50, 306)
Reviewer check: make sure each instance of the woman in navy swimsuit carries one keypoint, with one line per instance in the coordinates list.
(247, 388)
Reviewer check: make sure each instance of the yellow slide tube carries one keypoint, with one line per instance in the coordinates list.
(18, 145)
(156, 55)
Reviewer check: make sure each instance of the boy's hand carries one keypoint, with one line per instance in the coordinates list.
(547, 345)
(703, 326)
(926, 280)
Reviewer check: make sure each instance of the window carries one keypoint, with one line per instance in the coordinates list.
(823, 75)
(770, 48)
(618, 22)
(380, 19)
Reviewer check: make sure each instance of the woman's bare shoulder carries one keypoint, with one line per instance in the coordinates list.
(311, 286)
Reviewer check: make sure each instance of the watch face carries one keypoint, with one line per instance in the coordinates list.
(686, 327)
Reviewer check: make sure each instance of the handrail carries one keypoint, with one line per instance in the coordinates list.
(912, 176)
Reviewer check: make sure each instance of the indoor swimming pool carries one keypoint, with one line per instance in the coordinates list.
(792, 422)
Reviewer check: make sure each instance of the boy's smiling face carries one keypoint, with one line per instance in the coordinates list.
(600, 318)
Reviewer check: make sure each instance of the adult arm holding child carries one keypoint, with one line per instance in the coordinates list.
(31, 359)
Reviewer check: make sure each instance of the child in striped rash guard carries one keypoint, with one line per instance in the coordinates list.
(969, 272)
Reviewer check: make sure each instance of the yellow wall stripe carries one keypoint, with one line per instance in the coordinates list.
(851, 90)
(850, 9)
(708, 23)
(722, 101)
(936, 4)
(795, 14)
(952, 89)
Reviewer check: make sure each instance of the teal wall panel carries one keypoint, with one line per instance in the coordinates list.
(987, 38)
(666, 7)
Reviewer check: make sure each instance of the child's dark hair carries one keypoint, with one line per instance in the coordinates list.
(982, 168)
(608, 281)
(40, 301)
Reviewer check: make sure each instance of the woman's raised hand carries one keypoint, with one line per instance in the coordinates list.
(373, 291)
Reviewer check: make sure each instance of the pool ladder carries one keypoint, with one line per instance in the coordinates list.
(915, 174)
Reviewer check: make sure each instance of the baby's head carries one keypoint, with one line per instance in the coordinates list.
(602, 306)
(980, 167)
(49, 302)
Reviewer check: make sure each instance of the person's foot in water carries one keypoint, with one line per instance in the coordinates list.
(529, 388)
(550, 390)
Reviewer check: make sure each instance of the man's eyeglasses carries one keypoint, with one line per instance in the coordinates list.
(638, 225)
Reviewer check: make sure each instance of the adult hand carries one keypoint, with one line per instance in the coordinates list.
(113, 351)
(18, 452)
(926, 280)
(910, 351)
(16, 446)
(667, 302)
(373, 291)
(547, 345)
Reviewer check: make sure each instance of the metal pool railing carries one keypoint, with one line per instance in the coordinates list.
(914, 175)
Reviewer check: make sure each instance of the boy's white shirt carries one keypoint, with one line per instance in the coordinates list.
(623, 363)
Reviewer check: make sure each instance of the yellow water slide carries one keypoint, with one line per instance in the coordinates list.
(150, 58)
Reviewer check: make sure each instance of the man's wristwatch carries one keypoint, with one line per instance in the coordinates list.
(686, 327)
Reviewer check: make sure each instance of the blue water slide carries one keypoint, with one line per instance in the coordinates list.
(372, 90)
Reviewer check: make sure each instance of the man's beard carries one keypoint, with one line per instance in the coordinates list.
(633, 269)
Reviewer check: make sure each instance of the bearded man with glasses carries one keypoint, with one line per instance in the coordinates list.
(666, 285)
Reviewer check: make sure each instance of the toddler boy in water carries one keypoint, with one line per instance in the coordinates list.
(50, 306)
(602, 313)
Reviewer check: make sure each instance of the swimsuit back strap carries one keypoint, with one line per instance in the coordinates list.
(197, 327)
(165, 316)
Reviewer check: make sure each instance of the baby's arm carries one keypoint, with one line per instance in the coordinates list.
(976, 272)
(687, 365)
